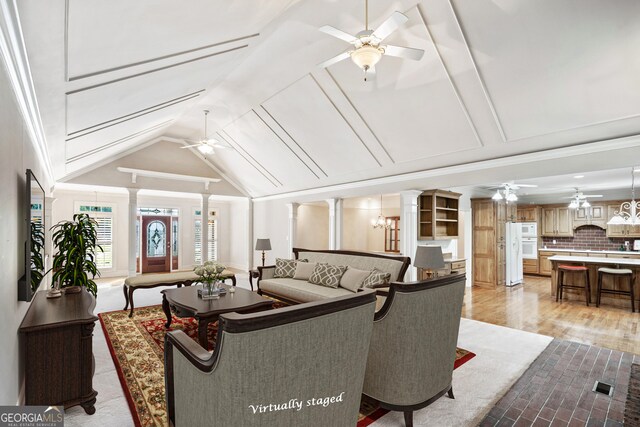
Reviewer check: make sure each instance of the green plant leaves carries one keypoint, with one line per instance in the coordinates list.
(76, 243)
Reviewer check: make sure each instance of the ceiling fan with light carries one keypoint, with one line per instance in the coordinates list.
(507, 191)
(205, 145)
(579, 199)
(367, 44)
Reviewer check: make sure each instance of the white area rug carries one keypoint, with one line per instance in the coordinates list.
(502, 355)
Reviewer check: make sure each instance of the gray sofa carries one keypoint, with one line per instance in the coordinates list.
(301, 291)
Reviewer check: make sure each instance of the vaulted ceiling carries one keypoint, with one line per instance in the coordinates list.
(498, 78)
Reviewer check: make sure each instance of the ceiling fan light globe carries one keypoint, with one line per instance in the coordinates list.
(512, 197)
(573, 205)
(366, 56)
(497, 196)
(586, 204)
(205, 149)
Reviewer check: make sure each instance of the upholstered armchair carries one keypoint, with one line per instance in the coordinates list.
(413, 344)
(295, 366)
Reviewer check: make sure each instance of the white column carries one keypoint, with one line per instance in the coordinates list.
(205, 227)
(335, 223)
(293, 224)
(133, 216)
(409, 228)
(250, 235)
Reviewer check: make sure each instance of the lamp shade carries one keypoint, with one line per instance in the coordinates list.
(263, 245)
(429, 257)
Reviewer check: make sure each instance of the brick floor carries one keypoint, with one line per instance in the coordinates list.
(556, 390)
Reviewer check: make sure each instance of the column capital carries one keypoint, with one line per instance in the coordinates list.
(293, 209)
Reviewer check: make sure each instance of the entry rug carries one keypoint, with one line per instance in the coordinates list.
(137, 347)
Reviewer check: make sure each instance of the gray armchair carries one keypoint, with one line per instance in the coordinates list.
(413, 344)
(295, 366)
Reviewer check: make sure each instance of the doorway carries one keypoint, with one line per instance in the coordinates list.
(156, 244)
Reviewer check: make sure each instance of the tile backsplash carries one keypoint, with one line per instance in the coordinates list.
(587, 237)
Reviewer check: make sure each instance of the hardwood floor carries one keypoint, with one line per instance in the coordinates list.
(530, 307)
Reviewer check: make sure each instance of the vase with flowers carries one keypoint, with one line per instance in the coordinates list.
(210, 273)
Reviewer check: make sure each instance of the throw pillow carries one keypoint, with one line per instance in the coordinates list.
(286, 267)
(327, 275)
(304, 270)
(353, 278)
(377, 279)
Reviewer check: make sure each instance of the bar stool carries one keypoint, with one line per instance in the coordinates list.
(616, 272)
(562, 269)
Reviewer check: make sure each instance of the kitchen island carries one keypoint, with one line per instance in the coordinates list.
(593, 263)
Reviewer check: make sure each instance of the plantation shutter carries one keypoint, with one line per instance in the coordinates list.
(213, 240)
(104, 259)
(198, 241)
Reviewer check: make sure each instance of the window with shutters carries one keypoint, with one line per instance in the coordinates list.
(103, 215)
(212, 234)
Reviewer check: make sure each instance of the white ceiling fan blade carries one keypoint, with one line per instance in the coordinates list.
(592, 195)
(333, 31)
(189, 146)
(390, 25)
(220, 145)
(404, 52)
(335, 59)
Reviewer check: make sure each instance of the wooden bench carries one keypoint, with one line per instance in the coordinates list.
(176, 278)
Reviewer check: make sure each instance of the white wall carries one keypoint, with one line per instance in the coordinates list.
(313, 227)
(271, 221)
(16, 155)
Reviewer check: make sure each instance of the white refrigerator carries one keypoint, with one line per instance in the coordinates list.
(514, 254)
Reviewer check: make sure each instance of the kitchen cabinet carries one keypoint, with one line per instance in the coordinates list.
(489, 220)
(530, 266)
(593, 215)
(527, 214)
(557, 222)
(544, 265)
(620, 230)
(438, 215)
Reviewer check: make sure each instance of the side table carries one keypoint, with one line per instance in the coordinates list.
(253, 274)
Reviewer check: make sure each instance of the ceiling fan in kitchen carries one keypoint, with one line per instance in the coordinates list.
(579, 199)
(205, 145)
(507, 191)
(367, 44)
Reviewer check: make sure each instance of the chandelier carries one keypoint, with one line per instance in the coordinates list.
(507, 194)
(629, 212)
(381, 222)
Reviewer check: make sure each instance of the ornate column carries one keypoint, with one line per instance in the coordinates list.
(335, 223)
(205, 228)
(293, 224)
(409, 228)
(133, 217)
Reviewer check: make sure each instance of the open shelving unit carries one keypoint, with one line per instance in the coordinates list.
(438, 215)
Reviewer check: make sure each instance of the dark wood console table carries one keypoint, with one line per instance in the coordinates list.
(56, 337)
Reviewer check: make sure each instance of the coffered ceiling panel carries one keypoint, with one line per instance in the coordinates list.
(102, 36)
(411, 106)
(258, 144)
(551, 65)
(241, 170)
(314, 123)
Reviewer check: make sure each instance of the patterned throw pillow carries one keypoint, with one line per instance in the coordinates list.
(286, 267)
(377, 279)
(327, 275)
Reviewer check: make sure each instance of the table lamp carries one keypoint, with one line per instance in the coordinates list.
(429, 258)
(263, 245)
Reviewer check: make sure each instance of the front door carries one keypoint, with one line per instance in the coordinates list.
(156, 244)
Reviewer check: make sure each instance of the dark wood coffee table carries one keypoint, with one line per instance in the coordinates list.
(184, 302)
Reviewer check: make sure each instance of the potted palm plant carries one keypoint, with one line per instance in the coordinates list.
(74, 264)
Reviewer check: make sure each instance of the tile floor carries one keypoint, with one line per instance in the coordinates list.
(556, 390)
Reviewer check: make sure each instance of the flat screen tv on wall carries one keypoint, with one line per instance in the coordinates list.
(34, 242)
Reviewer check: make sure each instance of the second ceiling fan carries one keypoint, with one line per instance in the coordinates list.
(367, 44)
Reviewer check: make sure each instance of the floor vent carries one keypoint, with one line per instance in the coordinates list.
(604, 388)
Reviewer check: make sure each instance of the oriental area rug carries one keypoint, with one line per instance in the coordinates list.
(137, 348)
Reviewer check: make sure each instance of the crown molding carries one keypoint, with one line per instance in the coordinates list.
(14, 54)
